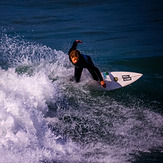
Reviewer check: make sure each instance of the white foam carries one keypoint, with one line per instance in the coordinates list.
(24, 133)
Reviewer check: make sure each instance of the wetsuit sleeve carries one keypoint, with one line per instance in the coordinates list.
(77, 73)
(73, 47)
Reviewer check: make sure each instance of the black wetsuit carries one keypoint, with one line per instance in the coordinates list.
(85, 61)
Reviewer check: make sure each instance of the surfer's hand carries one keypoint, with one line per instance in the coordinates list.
(78, 41)
(103, 84)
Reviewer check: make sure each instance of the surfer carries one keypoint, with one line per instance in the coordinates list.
(81, 61)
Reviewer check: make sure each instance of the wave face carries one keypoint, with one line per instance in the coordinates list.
(44, 117)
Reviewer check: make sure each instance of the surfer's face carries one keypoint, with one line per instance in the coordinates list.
(74, 60)
(74, 55)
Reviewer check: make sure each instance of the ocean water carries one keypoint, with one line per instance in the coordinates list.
(46, 118)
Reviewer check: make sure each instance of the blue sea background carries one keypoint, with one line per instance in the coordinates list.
(44, 117)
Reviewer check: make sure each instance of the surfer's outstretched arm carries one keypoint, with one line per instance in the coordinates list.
(77, 74)
(74, 46)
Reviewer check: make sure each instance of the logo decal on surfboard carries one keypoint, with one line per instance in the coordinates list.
(126, 77)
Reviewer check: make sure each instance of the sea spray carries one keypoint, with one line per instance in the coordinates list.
(25, 90)
(15, 51)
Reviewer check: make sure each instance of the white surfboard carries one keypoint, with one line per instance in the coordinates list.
(119, 79)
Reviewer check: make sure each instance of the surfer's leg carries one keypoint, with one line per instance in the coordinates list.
(94, 75)
(92, 72)
(77, 74)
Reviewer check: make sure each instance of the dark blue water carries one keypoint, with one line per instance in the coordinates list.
(46, 118)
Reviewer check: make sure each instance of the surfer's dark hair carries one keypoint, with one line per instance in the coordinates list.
(75, 53)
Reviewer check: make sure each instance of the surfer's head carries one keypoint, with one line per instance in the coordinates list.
(74, 55)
